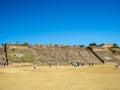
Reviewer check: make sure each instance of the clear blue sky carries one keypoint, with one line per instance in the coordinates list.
(60, 21)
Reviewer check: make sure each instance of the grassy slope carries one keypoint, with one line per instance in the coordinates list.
(27, 55)
(99, 77)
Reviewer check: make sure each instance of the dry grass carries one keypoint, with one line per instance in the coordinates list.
(99, 77)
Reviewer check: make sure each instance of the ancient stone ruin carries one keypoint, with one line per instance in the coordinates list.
(62, 54)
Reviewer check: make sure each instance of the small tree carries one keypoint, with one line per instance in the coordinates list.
(26, 44)
(75, 45)
(92, 44)
(2, 44)
(115, 46)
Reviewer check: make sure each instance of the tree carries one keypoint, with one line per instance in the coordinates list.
(75, 45)
(26, 44)
(92, 44)
(2, 44)
(115, 46)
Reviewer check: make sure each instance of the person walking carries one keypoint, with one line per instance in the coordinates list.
(35, 66)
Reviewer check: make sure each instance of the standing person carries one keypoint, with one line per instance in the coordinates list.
(116, 65)
(34, 66)
(4, 62)
(92, 63)
(89, 64)
(50, 65)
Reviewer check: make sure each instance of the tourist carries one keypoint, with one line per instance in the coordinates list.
(116, 65)
(35, 66)
(92, 63)
(50, 65)
(89, 64)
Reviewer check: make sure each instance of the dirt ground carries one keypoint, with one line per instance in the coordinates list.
(98, 77)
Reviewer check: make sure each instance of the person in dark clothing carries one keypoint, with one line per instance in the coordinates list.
(92, 63)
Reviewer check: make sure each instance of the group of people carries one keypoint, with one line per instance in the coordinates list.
(50, 65)
(4, 62)
(77, 64)
(91, 64)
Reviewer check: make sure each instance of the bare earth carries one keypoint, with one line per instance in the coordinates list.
(98, 77)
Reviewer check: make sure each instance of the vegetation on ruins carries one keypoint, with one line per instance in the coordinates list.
(26, 44)
(92, 44)
(115, 46)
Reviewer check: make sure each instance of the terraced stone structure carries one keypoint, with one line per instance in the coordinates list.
(45, 54)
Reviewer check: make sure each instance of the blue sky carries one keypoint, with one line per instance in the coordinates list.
(60, 21)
